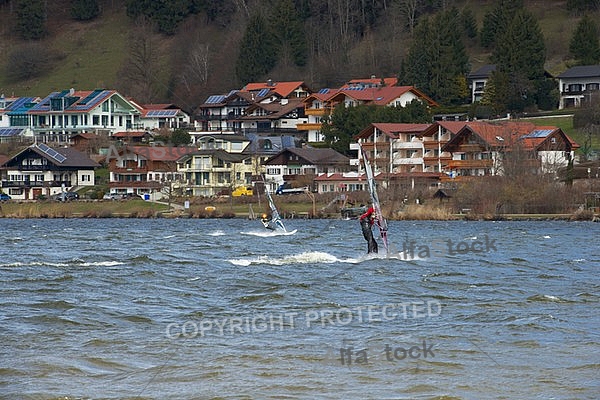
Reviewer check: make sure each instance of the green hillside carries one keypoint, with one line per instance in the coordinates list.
(93, 54)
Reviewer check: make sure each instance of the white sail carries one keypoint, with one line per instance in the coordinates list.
(381, 221)
(275, 222)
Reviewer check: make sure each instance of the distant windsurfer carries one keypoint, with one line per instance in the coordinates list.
(366, 223)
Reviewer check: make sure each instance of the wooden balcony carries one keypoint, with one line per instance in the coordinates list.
(315, 111)
(309, 127)
(458, 164)
(133, 170)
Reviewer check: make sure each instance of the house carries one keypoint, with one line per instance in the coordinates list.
(394, 147)
(14, 121)
(372, 82)
(301, 165)
(144, 169)
(42, 170)
(316, 110)
(209, 172)
(228, 112)
(278, 116)
(133, 137)
(60, 115)
(319, 106)
(161, 116)
(577, 85)
(483, 148)
(477, 81)
(342, 182)
(219, 113)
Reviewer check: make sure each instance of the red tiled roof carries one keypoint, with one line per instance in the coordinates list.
(382, 95)
(281, 88)
(393, 81)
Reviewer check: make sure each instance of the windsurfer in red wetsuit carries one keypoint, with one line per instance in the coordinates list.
(366, 223)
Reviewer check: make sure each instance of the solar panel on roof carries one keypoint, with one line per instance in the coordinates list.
(51, 152)
(215, 99)
(91, 96)
(263, 92)
(10, 131)
(539, 133)
(324, 91)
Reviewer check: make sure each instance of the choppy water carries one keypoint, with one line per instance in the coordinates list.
(219, 309)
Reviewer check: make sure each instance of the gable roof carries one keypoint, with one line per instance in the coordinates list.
(63, 157)
(483, 72)
(21, 105)
(283, 89)
(381, 95)
(542, 135)
(451, 126)
(581, 71)
(371, 82)
(75, 101)
(392, 129)
(314, 156)
(275, 110)
(507, 135)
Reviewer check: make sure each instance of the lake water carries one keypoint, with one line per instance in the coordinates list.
(222, 309)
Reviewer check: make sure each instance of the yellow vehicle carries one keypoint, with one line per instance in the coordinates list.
(242, 191)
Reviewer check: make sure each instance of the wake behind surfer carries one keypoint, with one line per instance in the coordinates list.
(366, 223)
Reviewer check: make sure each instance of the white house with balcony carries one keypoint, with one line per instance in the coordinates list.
(60, 115)
(578, 85)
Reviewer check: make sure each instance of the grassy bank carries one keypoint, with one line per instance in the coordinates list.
(143, 209)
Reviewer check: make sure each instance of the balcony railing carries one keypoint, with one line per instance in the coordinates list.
(417, 144)
(30, 184)
(454, 164)
(309, 126)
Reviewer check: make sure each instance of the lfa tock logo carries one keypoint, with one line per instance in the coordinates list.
(349, 354)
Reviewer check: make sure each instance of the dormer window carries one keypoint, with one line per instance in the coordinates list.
(267, 145)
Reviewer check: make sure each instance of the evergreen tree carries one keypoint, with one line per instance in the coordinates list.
(496, 22)
(31, 19)
(289, 32)
(584, 45)
(437, 62)
(167, 14)
(84, 10)
(581, 6)
(469, 23)
(520, 53)
(258, 53)
(346, 122)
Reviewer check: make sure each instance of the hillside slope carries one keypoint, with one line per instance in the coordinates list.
(93, 54)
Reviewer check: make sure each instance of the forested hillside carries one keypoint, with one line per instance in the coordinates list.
(182, 51)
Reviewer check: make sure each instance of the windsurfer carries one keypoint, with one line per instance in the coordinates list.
(366, 223)
(266, 222)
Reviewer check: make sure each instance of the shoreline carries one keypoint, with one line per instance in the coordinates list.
(144, 209)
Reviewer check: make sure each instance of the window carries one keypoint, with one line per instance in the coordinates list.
(105, 106)
(95, 120)
(74, 120)
(105, 120)
(236, 146)
(274, 171)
